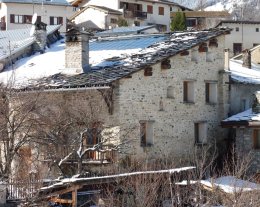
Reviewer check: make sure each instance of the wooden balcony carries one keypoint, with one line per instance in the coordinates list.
(135, 14)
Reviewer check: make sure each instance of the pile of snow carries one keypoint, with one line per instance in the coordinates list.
(231, 184)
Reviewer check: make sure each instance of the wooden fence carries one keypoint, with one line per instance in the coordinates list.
(22, 189)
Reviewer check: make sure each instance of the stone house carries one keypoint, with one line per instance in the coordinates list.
(168, 97)
(244, 79)
(245, 35)
(246, 126)
(141, 13)
(18, 14)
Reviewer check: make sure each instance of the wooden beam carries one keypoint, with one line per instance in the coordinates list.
(74, 198)
(60, 200)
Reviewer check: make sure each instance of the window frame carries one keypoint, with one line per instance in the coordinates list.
(209, 90)
(257, 29)
(149, 9)
(189, 96)
(198, 126)
(161, 10)
(54, 20)
(237, 29)
(146, 133)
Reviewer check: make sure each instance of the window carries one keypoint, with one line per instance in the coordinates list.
(188, 91)
(27, 19)
(149, 9)
(256, 139)
(237, 48)
(237, 29)
(18, 19)
(146, 133)
(257, 29)
(200, 132)
(56, 20)
(191, 22)
(148, 71)
(211, 89)
(161, 10)
(170, 92)
(113, 21)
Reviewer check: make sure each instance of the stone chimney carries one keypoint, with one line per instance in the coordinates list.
(40, 35)
(77, 50)
(256, 103)
(247, 58)
(226, 59)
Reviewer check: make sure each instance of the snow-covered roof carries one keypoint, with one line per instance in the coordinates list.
(89, 180)
(242, 74)
(49, 2)
(231, 184)
(125, 30)
(110, 59)
(247, 115)
(12, 41)
(101, 8)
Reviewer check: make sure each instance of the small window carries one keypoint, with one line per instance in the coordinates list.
(200, 132)
(256, 139)
(188, 92)
(148, 71)
(161, 10)
(146, 133)
(237, 29)
(211, 89)
(149, 9)
(170, 92)
(166, 64)
(257, 29)
(56, 20)
(113, 21)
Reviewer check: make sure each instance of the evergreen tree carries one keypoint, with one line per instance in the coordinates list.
(178, 23)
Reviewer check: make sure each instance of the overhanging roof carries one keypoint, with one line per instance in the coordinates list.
(46, 2)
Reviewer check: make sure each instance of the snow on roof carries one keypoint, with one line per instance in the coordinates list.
(247, 115)
(16, 40)
(244, 75)
(231, 184)
(125, 30)
(50, 2)
(110, 59)
(74, 179)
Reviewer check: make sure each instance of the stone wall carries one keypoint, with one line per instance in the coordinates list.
(244, 146)
(142, 97)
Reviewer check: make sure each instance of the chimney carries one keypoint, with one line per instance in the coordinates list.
(256, 103)
(226, 59)
(77, 50)
(247, 58)
(40, 35)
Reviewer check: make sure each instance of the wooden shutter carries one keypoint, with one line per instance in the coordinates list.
(256, 140)
(60, 20)
(51, 20)
(39, 18)
(161, 10)
(149, 9)
(11, 18)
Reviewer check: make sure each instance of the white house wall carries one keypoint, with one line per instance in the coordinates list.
(44, 11)
(247, 35)
(88, 14)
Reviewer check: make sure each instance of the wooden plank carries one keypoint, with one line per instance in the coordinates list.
(60, 200)
(74, 198)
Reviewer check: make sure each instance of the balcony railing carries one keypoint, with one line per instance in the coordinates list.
(135, 14)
